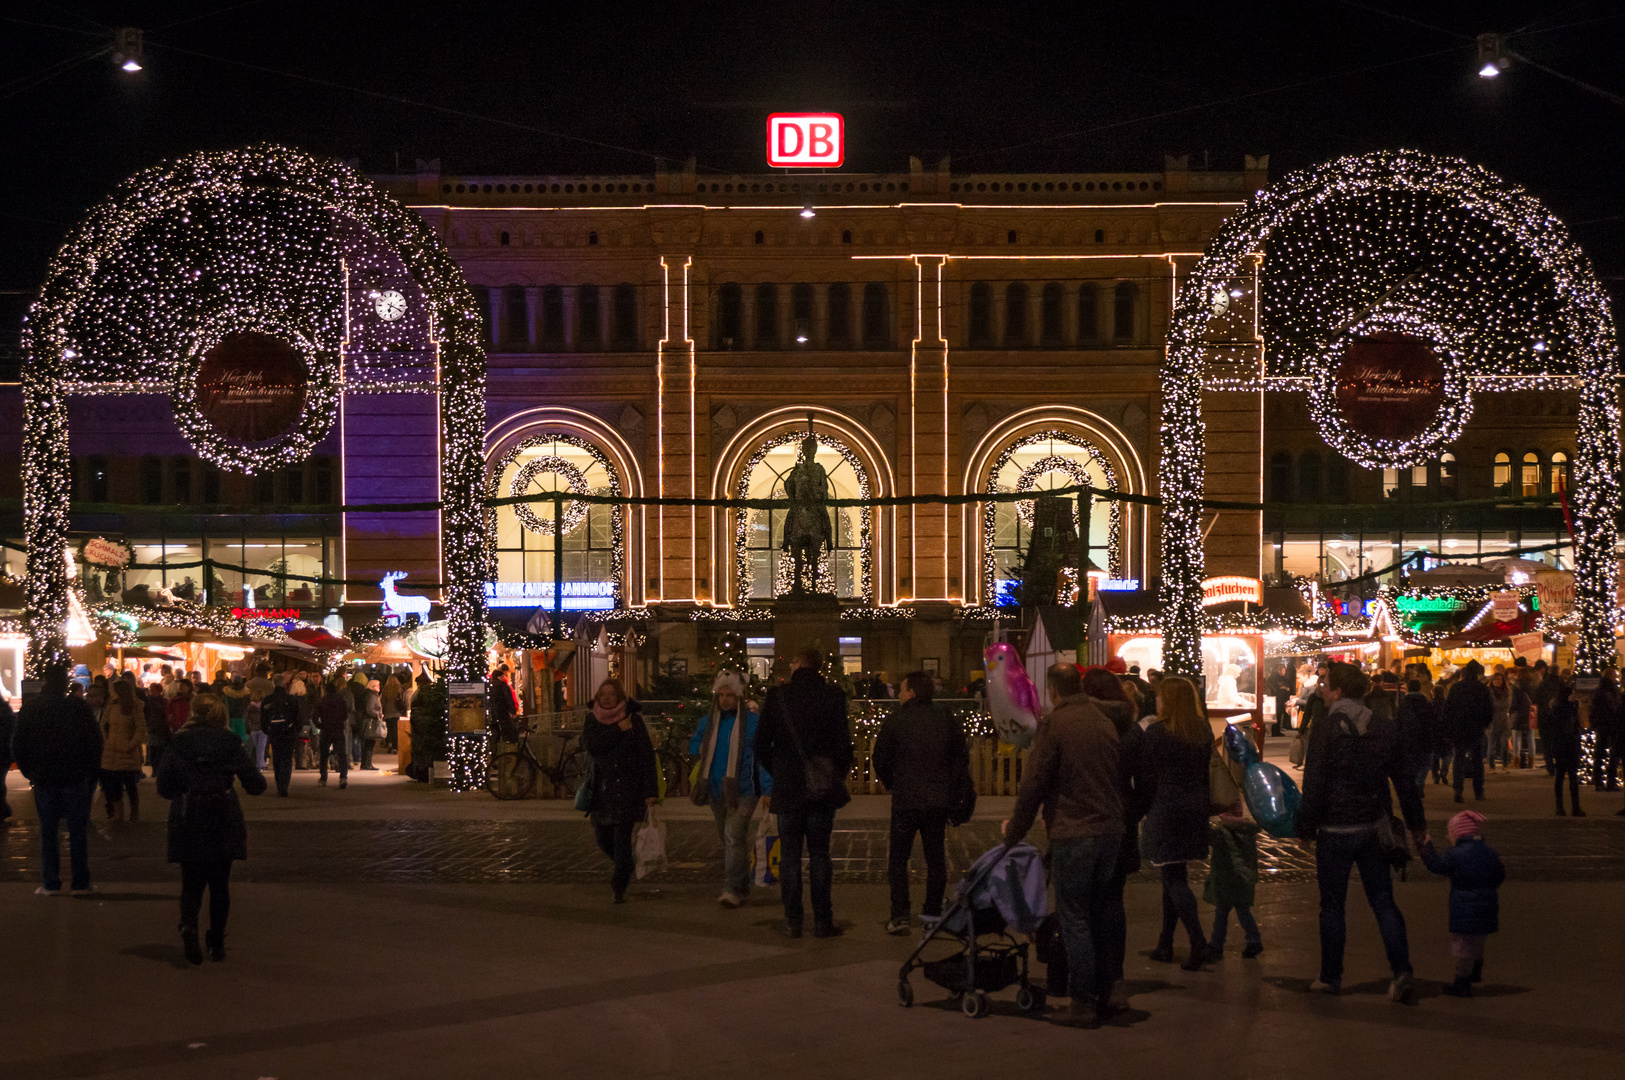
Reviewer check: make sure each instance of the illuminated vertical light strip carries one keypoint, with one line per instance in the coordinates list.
(344, 448)
(693, 449)
(1257, 261)
(913, 472)
(660, 436)
(942, 337)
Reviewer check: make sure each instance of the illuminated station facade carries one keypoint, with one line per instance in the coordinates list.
(678, 334)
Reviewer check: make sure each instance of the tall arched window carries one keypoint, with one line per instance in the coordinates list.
(152, 480)
(765, 571)
(801, 314)
(515, 316)
(1281, 477)
(482, 304)
(839, 332)
(625, 322)
(1125, 302)
(265, 488)
(1309, 476)
(322, 477)
(1502, 476)
(96, 482)
(876, 319)
(1088, 314)
(552, 315)
(1560, 472)
(1045, 461)
(211, 484)
(1015, 314)
(1049, 328)
(1447, 475)
(1529, 476)
(979, 333)
(589, 318)
(767, 316)
(293, 484)
(730, 330)
(526, 533)
(1337, 478)
(180, 480)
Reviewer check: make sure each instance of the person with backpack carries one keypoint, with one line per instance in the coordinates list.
(922, 758)
(58, 748)
(1346, 814)
(280, 719)
(804, 742)
(206, 828)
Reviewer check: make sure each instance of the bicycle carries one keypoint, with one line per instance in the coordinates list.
(672, 755)
(513, 774)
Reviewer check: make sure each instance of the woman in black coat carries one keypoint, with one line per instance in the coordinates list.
(623, 777)
(206, 828)
(1176, 752)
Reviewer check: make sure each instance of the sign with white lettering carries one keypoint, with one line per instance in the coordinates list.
(251, 386)
(806, 140)
(577, 595)
(1232, 590)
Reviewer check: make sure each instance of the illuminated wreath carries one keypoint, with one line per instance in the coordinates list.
(1028, 481)
(1075, 471)
(575, 511)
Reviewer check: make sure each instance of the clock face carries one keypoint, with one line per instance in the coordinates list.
(1219, 302)
(389, 304)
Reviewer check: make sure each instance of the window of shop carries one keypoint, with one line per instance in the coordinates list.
(852, 655)
(293, 484)
(839, 334)
(180, 480)
(211, 485)
(1309, 476)
(759, 653)
(765, 571)
(1390, 483)
(96, 482)
(1337, 478)
(526, 534)
(1560, 472)
(482, 304)
(515, 316)
(980, 331)
(1015, 314)
(152, 480)
(265, 487)
(1281, 477)
(1044, 462)
(1447, 476)
(1088, 314)
(1125, 301)
(323, 476)
(1503, 474)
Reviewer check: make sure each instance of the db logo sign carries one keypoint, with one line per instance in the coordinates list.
(806, 140)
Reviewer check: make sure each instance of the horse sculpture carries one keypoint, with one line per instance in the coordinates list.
(398, 607)
(806, 523)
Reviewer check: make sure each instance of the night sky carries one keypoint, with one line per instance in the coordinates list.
(604, 87)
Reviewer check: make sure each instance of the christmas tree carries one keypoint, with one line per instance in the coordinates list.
(732, 655)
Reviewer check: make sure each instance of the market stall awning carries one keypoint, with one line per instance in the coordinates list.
(320, 638)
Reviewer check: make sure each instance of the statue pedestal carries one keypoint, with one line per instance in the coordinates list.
(807, 620)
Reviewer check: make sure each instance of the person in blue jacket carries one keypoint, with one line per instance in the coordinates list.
(727, 779)
(1475, 872)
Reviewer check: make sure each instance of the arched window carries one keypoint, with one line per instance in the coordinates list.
(1042, 462)
(1125, 299)
(839, 331)
(979, 333)
(876, 319)
(1337, 478)
(1419, 478)
(588, 316)
(846, 236)
(515, 316)
(765, 571)
(293, 484)
(322, 474)
(801, 313)
(211, 485)
(482, 304)
(552, 328)
(1447, 475)
(180, 480)
(96, 483)
(1529, 476)
(1309, 476)
(760, 237)
(1015, 314)
(1560, 472)
(1390, 483)
(730, 316)
(1088, 314)
(265, 488)
(767, 316)
(625, 321)
(1281, 477)
(1503, 474)
(526, 533)
(152, 480)
(1049, 326)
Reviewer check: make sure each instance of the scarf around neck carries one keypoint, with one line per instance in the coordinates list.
(610, 716)
(735, 741)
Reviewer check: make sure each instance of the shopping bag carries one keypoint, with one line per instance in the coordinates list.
(649, 846)
(765, 859)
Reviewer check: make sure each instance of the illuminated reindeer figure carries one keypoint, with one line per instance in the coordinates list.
(398, 607)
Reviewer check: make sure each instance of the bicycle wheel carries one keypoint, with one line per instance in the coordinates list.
(675, 766)
(569, 773)
(510, 776)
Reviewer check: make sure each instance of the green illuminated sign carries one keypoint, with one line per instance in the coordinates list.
(1429, 605)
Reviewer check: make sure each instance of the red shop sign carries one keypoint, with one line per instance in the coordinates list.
(251, 386)
(1390, 386)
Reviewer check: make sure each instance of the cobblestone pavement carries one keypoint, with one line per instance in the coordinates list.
(562, 852)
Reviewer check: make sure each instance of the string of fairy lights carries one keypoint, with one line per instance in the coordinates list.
(1429, 246)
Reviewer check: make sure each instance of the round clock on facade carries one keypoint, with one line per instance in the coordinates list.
(1219, 302)
(389, 304)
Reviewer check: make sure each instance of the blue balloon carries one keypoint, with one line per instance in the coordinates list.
(1273, 799)
(1240, 745)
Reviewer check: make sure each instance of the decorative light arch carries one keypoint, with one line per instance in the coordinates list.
(265, 239)
(1404, 241)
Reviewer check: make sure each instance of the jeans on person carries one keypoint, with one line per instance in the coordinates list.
(1470, 764)
(1113, 937)
(1497, 742)
(56, 804)
(1570, 770)
(338, 745)
(932, 825)
(1244, 919)
(1081, 869)
(366, 752)
(733, 831)
(1336, 855)
(116, 784)
(211, 874)
(614, 839)
(1523, 746)
(1179, 906)
(257, 740)
(809, 827)
(282, 752)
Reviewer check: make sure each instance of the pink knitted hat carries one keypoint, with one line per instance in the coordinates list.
(1466, 823)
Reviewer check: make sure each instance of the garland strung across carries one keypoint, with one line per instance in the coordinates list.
(826, 572)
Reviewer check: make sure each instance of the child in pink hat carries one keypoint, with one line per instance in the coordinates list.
(1475, 872)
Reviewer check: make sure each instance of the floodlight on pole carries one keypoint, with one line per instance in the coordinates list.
(127, 51)
(1492, 58)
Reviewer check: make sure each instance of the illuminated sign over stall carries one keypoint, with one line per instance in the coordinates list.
(578, 595)
(1231, 590)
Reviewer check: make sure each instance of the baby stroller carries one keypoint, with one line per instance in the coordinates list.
(1005, 889)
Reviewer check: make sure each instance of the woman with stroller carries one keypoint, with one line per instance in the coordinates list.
(1177, 748)
(623, 777)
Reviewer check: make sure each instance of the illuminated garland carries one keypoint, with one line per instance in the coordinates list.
(1429, 245)
(731, 615)
(825, 575)
(878, 614)
(575, 511)
(1387, 601)
(990, 510)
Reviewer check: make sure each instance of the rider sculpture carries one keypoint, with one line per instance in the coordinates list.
(806, 524)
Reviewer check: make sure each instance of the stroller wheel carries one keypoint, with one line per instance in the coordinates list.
(905, 994)
(1030, 1000)
(974, 1005)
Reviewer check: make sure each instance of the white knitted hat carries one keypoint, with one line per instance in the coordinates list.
(728, 680)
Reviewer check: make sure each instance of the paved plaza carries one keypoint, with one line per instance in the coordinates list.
(393, 931)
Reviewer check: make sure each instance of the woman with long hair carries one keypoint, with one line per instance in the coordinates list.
(124, 730)
(623, 777)
(1500, 731)
(1177, 748)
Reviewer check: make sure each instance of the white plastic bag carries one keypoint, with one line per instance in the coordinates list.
(765, 858)
(649, 846)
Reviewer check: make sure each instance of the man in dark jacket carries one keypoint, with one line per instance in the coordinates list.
(1073, 772)
(279, 717)
(1605, 730)
(1418, 722)
(1468, 712)
(1543, 694)
(58, 747)
(1351, 759)
(804, 723)
(920, 755)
